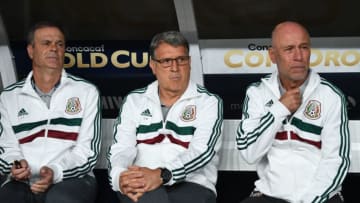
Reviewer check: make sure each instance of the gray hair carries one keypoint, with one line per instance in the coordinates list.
(40, 25)
(174, 38)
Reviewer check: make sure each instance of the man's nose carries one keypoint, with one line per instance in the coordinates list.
(298, 54)
(174, 65)
(53, 47)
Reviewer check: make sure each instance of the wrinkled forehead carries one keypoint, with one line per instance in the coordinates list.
(168, 49)
(290, 34)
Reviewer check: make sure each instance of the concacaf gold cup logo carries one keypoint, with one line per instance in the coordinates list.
(251, 55)
(336, 58)
(84, 57)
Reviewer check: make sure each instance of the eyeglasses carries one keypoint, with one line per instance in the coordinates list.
(167, 62)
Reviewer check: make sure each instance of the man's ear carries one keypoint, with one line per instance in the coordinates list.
(30, 50)
(152, 66)
(271, 53)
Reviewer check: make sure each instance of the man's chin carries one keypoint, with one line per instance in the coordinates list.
(300, 75)
(299, 79)
(55, 67)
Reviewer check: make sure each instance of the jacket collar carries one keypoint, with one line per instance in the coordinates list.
(28, 88)
(153, 93)
(272, 82)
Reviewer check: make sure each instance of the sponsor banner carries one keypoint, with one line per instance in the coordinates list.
(116, 67)
(110, 59)
(231, 88)
(340, 54)
(107, 59)
(113, 90)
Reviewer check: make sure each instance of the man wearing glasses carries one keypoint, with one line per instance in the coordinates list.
(168, 134)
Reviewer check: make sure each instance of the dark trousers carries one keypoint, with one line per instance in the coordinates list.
(178, 193)
(267, 199)
(77, 190)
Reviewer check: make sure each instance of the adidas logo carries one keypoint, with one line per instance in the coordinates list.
(22, 112)
(146, 113)
(269, 103)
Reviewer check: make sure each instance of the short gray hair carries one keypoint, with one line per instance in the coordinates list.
(174, 38)
(40, 25)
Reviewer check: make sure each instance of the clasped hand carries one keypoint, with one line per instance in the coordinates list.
(291, 99)
(135, 181)
(23, 173)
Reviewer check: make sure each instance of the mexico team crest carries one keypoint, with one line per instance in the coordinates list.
(313, 110)
(189, 114)
(73, 105)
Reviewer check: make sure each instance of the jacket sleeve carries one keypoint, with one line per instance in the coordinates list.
(205, 143)
(82, 158)
(122, 152)
(9, 145)
(259, 124)
(335, 154)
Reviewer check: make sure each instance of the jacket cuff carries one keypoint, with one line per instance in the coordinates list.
(279, 110)
(115, 178)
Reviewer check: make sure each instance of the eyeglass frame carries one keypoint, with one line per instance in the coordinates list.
(162, 62)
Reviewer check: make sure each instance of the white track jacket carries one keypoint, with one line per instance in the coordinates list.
(64, 137)
(187, 142)
(302, 157)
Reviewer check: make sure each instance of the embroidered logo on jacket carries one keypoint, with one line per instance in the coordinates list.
(146, 113)
(189, 113)
(73, 105)
(22, 112)
(313, 110)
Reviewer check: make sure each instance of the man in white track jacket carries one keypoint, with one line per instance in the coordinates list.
(295, 127)
(168, 134)
(50, 128)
